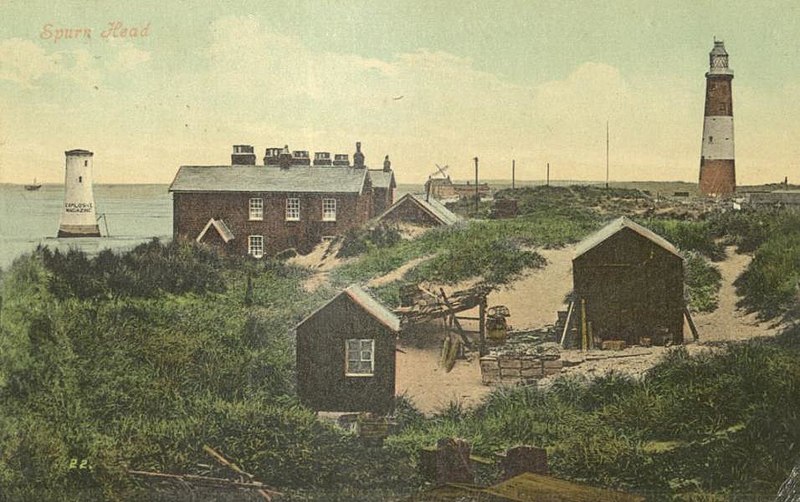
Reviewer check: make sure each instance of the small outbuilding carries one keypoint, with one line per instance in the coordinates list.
(346, 355)
(629, 281)
(419, 210)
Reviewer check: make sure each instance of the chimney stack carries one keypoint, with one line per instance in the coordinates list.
(301, 158)
(322, 159)
(387, 165)
(271, 156)
(243, 155)
(358, 157)
(285, 159)
(341, 160)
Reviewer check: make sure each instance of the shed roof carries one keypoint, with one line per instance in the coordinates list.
(382, 179)
(221, 228)
(268, 179)
(370, 305)
(431, 205)
(617, 225)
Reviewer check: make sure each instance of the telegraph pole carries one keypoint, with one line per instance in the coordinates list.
(606, 154)
(477, 194)
(548, 174)
(513, 173)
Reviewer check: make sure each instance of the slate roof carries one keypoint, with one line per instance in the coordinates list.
(304, 179)
(370, 305)
(382, 179)
(615, 226)
(432, 206)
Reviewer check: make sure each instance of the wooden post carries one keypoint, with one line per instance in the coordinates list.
(548, 174)
(591, 335)
(584, 329)
(482, 327)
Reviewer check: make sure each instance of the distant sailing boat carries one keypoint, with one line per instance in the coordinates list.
(34, 186)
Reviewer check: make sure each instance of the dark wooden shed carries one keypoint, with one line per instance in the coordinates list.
(346, 355)
(631, 280)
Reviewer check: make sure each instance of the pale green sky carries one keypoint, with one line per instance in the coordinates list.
(533, 81)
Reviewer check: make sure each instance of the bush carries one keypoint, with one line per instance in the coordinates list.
(771, 283)
(703, 281)
(358, 241)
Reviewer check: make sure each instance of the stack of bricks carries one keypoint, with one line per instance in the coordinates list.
(512, 369)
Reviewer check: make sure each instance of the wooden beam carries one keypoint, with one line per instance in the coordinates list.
(457, 324)
(566, 323)
(692, 327)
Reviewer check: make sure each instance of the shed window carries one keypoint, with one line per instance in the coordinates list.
(328, 209)
(256, 209)
(360, 355)
(292, 209)
(255, 246)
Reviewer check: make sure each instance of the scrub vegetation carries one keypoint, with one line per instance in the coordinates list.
(137, 360)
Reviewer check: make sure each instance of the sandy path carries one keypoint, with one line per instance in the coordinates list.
(430, 387)
(534, 301)
(728, 322)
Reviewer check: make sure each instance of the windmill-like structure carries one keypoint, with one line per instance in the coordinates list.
(445, 179)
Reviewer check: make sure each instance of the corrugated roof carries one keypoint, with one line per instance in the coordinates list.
(431, 206)
(382, 179)
(372, 306)
(615, 226)
(268, 179)
(221, 228)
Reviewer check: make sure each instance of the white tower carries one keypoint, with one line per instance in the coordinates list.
(78, 218)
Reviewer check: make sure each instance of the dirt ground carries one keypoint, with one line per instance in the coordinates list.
(533, 302)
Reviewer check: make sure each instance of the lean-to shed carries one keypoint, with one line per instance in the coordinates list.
(346, 355)
(631, 280)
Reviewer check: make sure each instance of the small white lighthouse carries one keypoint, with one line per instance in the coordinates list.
(78, 218)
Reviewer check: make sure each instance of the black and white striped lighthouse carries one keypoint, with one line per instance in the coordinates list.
(717, 164)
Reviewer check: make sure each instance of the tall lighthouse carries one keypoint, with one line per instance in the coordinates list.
(78, 218)
(717, 164)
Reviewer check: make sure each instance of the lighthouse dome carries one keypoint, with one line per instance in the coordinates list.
(719, 48)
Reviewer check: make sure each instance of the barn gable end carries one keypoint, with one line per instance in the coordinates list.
(631, 282)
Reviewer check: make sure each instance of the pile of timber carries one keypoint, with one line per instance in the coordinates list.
(201, 487)
(428, 306)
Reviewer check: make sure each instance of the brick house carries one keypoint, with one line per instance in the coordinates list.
(287, 203)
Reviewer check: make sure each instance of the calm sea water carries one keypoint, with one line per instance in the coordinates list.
(133, 213)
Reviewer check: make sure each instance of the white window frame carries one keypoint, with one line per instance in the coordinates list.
(256, 209)
(329, 212)
(255, 246)
(292, 209)
(364, 354)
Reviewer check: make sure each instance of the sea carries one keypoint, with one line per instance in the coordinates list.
(128, 215)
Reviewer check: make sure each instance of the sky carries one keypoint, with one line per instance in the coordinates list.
(425, 82)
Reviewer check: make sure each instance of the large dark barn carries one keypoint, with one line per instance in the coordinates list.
(632, 282)
(346, 355)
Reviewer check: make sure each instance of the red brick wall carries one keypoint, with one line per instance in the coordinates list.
(717, 177)
(719, 100)
(191, 212)
(382, 200)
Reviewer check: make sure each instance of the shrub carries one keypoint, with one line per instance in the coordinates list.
(703, 281)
